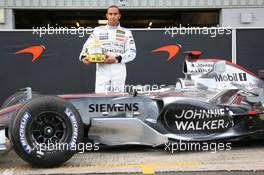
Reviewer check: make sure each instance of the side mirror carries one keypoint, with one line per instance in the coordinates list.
(219, 67)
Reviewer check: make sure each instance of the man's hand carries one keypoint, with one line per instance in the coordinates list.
(85, 60)
(110, 59)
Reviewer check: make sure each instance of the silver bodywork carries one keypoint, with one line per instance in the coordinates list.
(120, 127)
(124, 131)
(130, 127)
(122, 119)
(216, 75)
(5, 116)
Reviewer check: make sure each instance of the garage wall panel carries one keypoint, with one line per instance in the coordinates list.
(44, 3)
(58, 70)
(250, 49)
(136, 3)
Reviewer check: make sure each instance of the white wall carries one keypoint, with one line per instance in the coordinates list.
(97, 4)
(253, 17)
(8, 19)
(230, 14)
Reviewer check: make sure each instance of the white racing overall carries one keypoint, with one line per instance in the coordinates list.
(119, 42)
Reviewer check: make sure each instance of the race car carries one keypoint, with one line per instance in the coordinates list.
(216, 101)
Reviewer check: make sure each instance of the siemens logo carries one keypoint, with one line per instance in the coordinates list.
(232, 77)
(120, 107)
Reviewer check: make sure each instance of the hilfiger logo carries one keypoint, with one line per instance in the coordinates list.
(232, 77)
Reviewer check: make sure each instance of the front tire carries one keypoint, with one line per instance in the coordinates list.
(15, 98)
(46, 131)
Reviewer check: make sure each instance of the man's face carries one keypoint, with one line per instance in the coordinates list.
(113, 16)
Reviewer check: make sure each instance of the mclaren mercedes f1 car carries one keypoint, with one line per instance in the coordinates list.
(217, 100)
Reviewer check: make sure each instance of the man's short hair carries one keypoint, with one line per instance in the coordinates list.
(113, 6)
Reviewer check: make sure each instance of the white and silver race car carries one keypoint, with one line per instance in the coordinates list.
(217, 100)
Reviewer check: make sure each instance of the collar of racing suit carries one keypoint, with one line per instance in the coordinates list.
(113, 27)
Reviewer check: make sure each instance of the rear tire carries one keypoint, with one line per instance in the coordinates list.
(46, 131)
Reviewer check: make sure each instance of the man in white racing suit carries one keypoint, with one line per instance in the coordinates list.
(119, 47)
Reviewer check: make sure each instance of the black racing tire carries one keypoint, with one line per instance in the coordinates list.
(46, 131)
(14, 99)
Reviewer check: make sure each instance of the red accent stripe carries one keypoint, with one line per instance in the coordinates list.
(196, 52)
(252, 112)
(8, 109)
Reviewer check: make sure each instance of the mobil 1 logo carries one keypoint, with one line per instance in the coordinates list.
(231, 77)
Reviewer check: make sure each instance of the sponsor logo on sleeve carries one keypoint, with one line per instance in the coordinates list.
(131, 41)
(103, 36)
(133, 50)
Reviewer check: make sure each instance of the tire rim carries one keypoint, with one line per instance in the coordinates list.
(48, 128)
